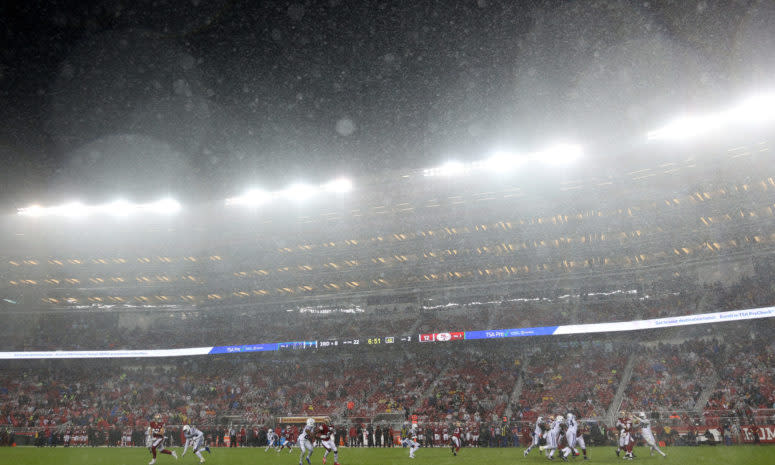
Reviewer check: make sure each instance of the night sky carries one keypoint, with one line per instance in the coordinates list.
(201, 98)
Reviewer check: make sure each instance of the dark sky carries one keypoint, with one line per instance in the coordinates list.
(200, 98)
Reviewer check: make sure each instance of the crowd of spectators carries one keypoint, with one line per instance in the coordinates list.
(472, 382)
(746, 383)
(670, 377)
(584, 378)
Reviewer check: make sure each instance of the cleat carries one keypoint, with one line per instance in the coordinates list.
(617, 452)
(152, 462)
(586, 458)
(524, 454)
(207, 449)
(324, 461)
(174, 455)
(202, 461)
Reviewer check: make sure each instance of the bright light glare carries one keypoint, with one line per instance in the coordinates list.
(34, 211)
(502, 161)
(251, 198)
(339, 186)
(505, 162)
(299, 192)
(118, 208)
(560, 154)
(687, 127)
(296, 192)
(759, 109)
(451, 168)
(165, 206)
(73, 210)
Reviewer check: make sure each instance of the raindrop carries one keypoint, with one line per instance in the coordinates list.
(345, 127)
(296, 11)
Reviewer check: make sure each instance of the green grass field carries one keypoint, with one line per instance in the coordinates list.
(752, 455)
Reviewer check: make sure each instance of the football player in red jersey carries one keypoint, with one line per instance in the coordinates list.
(157, 442)
(455, 444)
(326, 435)
(624, 424)
(620, 425)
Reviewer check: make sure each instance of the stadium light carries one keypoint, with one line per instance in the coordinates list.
(559, 154)
(339, 186)
(34, 211)
(72, 210)
(451, 168)
(118, 208)
(165, 206)
(758, 109)
(298, 192)
(755, 110)
(501, 162)
(295, 192)
(251, 198)
(687, 127)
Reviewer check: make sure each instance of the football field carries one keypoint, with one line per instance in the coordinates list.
(753, 455)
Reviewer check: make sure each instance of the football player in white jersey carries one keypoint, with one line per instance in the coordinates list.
(306, 440)
(648, 435)
(411, 442)
(196, 440)
(538, 432)
(571, 433)
(553, 437)
(271, 439)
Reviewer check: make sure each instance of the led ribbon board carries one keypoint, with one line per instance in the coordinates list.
(703, 318)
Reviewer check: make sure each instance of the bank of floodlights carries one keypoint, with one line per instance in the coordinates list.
(756, 110)
(504, 162)
(118, 208)
(295, 192)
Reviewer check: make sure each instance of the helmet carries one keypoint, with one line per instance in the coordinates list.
(270, 431)
(310, 422)
(157, 416)
(540, 420)
(642, 414)
(622, 414)
(559, 419)
(186, 428)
